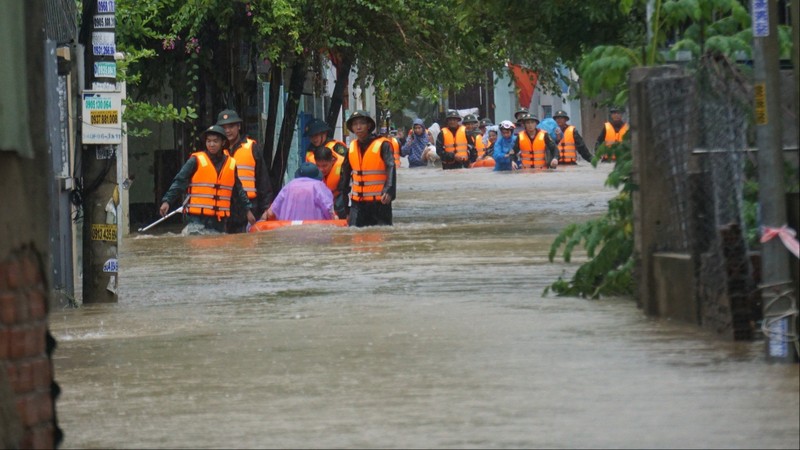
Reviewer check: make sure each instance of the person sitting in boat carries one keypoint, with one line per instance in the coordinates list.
(306, 197)
(211, 178)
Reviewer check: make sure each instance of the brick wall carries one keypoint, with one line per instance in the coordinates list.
(26, 347)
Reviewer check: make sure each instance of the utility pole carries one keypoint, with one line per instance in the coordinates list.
(101, 136)
(779, 303)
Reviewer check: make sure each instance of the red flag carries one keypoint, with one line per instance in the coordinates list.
(525, 79)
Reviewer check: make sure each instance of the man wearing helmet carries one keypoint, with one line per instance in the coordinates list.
(471, 124)
(212, 182)
(535, 148)
(251, 169)
(368, 176)
(613, 130)
(453, 145)
(517, 115)
(571, 142)
(317, 133)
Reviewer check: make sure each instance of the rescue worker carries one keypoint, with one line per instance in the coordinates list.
(482, 126)
(571, 143)
(453, 145)
(329, 164)
(395, 143)
(485, 158)
(519, 127)
(211, 181)
(471, 124)
(317, 132)
(613, 131)
(398, 134)
(304, 198)
(535, 148)
(252, 170)
(368, 176)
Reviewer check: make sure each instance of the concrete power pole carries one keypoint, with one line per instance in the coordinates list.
(779, 319)
(101, 136)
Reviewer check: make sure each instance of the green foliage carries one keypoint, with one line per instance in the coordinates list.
(143, 35)
(699, 26)
(139, 112)
(544, 35)
(607, 240)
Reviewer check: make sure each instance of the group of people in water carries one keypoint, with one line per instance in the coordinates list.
(526, 143)
(227, 184)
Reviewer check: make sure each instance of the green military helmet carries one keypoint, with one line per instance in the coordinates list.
(216, 129)
(617, 109)
(453, 114)
(361, 113)
(470, 118)
(561, 113)
(228, 116)
(486, 123)
(526, 117)
(520, 112)
(315, 126)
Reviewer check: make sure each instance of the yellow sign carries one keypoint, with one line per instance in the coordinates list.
(104, 117)
(760, 90)
(104, 232)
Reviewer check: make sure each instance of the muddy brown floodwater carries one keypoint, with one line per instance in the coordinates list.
(430, 333)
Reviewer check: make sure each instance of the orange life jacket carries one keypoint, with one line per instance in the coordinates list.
(532, 152)
(613, 136)
(457, 144)
(369, 171)
(246, 163)
(332, 180)
(210, 192)
(395, 150)
(566, 147)
(331, 146)
(479, 144)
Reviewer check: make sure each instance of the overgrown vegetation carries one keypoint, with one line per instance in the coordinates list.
(696, 26)
(608, 240)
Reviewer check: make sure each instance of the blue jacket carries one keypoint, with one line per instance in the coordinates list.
(501, 148)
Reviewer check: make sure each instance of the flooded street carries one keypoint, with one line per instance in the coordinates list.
(430, 333)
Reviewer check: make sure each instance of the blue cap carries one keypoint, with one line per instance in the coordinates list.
(308, 170)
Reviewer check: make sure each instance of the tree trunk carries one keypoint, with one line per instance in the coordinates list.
(337, 97)
(275, 81)
(279, 163)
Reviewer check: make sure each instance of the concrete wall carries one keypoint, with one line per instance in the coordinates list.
(27, 391)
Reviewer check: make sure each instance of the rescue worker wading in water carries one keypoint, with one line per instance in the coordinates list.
(613, 131)
(317, 132)
(534, 148)
(572, 142)
(330, 166)
(453, 145)
(368, 176)
(251, 168)
(212, 182)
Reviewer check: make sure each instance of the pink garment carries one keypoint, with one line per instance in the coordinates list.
(786, 235)
(304, 199)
